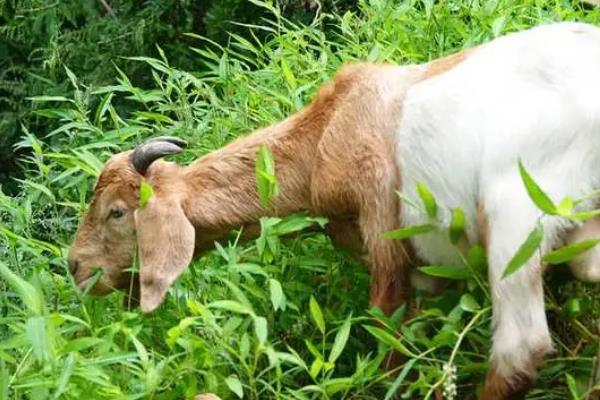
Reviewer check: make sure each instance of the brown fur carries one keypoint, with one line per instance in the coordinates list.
(441, 65)
(498, 387)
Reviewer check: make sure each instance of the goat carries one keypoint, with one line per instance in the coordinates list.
(458, 124)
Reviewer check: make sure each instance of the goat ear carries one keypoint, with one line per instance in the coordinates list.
(166, 240)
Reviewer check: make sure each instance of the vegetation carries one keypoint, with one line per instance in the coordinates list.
(279, 317)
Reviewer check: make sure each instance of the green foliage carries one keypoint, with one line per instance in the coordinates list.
(428, 200)
(146, 193)
(282, 316)
(525, 251)
(569, 252)
(92, 37)
(539, 197)
(266, 181)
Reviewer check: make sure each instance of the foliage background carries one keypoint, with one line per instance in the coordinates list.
(288, 320)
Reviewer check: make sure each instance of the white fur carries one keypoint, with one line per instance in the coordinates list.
(533, 95)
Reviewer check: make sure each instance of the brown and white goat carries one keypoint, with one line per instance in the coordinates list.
(458, 124)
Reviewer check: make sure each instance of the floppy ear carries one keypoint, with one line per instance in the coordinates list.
(166, 240)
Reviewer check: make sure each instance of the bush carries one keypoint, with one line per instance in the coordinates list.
(38, 38)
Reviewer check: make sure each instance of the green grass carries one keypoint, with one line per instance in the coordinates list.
(285, 321)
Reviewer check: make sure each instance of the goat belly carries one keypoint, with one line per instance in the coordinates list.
(533, 96)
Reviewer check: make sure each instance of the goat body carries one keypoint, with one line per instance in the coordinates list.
(459, 125)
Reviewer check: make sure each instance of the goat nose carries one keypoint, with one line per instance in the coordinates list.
(73, 265)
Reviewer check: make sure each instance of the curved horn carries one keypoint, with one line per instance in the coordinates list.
(145, 154)
(171, 139)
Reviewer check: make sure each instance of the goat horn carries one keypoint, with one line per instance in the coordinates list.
(145, 154)
(171, 139)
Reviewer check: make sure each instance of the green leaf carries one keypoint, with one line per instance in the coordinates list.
(477, 259)
(569, 252)
(260, 328)
(537, 195)
(98, 272)
(498, 25)
(81, 344)
(405, 233)
(584, 215)
(316, 367)
(4, 381)
(26, 291)
(292, 223)
(335, 385)
(455, 272)
(38, 187)
(317, 314)
(393, 389)
(457, 225)
(146, 193)
(341, 338)
(468, 303)
(277, 295)
(525, 251)
(565, 207)
(266, 180)
(35, 329)
(389, 339)
(573, 307)
(572, 386)
(428, 200)
(288, 74)
(234, 384)
(230, 305)
(249, 268)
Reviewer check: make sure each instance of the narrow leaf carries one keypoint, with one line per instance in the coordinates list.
(393, 390)
(317, 314)
(230, 305)
(539, 197)
(569, 252)
(584, 215)
(572, 386)
(260, 327)
(405, 233)
(234, 384)
(26, 291)
(341, 338)
(389, 339)
(525, 251)
(266, 182)
(457, 225)
(35, 330)
(277, 296)
(455, 272)
(428, 200)
(146, 193)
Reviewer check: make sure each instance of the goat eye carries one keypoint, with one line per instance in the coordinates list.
(116, 213)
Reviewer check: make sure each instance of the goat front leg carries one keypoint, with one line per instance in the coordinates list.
(389, 264)
(389, 287)
(389, 259)
(521, 336)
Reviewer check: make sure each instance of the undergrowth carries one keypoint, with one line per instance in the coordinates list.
(282, 317)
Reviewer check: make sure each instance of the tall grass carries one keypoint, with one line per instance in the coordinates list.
(280, 317)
